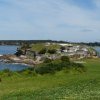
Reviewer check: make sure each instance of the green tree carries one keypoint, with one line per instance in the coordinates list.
(19, 52)
(25, 46)
(42, 51)
(62, 48)
(52, 51)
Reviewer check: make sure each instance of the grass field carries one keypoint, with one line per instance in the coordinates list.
(38, 47)
(60, 86)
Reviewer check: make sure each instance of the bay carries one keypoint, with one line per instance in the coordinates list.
(9, 49)
(97, 48)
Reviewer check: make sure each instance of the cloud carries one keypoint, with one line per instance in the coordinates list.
(86, 30)
(50, 19)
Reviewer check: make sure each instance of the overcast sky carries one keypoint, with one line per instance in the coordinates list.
(72, 20)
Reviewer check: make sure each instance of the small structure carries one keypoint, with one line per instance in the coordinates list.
(65, 44)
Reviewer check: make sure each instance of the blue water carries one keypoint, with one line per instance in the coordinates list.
(98, 50)
(8, 49)
(13, 67)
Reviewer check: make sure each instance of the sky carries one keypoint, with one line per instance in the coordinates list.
(68, 20)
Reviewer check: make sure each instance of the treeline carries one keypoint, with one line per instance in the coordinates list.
(20, 42)
(90, 43)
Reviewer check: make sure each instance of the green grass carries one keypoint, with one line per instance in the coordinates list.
(38, 47)
(60, 86)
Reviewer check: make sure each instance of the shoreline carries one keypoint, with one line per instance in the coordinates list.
(17, 60)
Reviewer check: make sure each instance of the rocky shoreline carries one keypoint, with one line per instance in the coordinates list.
(18, 60)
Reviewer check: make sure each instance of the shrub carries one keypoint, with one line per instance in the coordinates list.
(65, 59)
(79, 67)
(50, 67)
(25, 46)
(0, 80)
(19, 52)
(42, 51)
(62, 48)
(7, 72)
(27, 72)
(65, 64)
(53, 66)
(52, 51)
(44, 69)
(47, 60)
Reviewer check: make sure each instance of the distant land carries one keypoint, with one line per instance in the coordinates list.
(20, 42)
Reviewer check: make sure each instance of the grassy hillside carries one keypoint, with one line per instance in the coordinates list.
(62, 85)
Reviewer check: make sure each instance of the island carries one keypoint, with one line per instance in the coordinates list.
(33, 54)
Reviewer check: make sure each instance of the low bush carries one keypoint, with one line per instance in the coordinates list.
(29, 71)
(51, 67)
(79, 67)
(52, 51)
(0, 80)
(7, 72)
(65, 59)
(42, 51)
(45, 68)
(47, 60)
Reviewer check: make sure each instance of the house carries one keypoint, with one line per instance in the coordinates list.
(65, 44)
